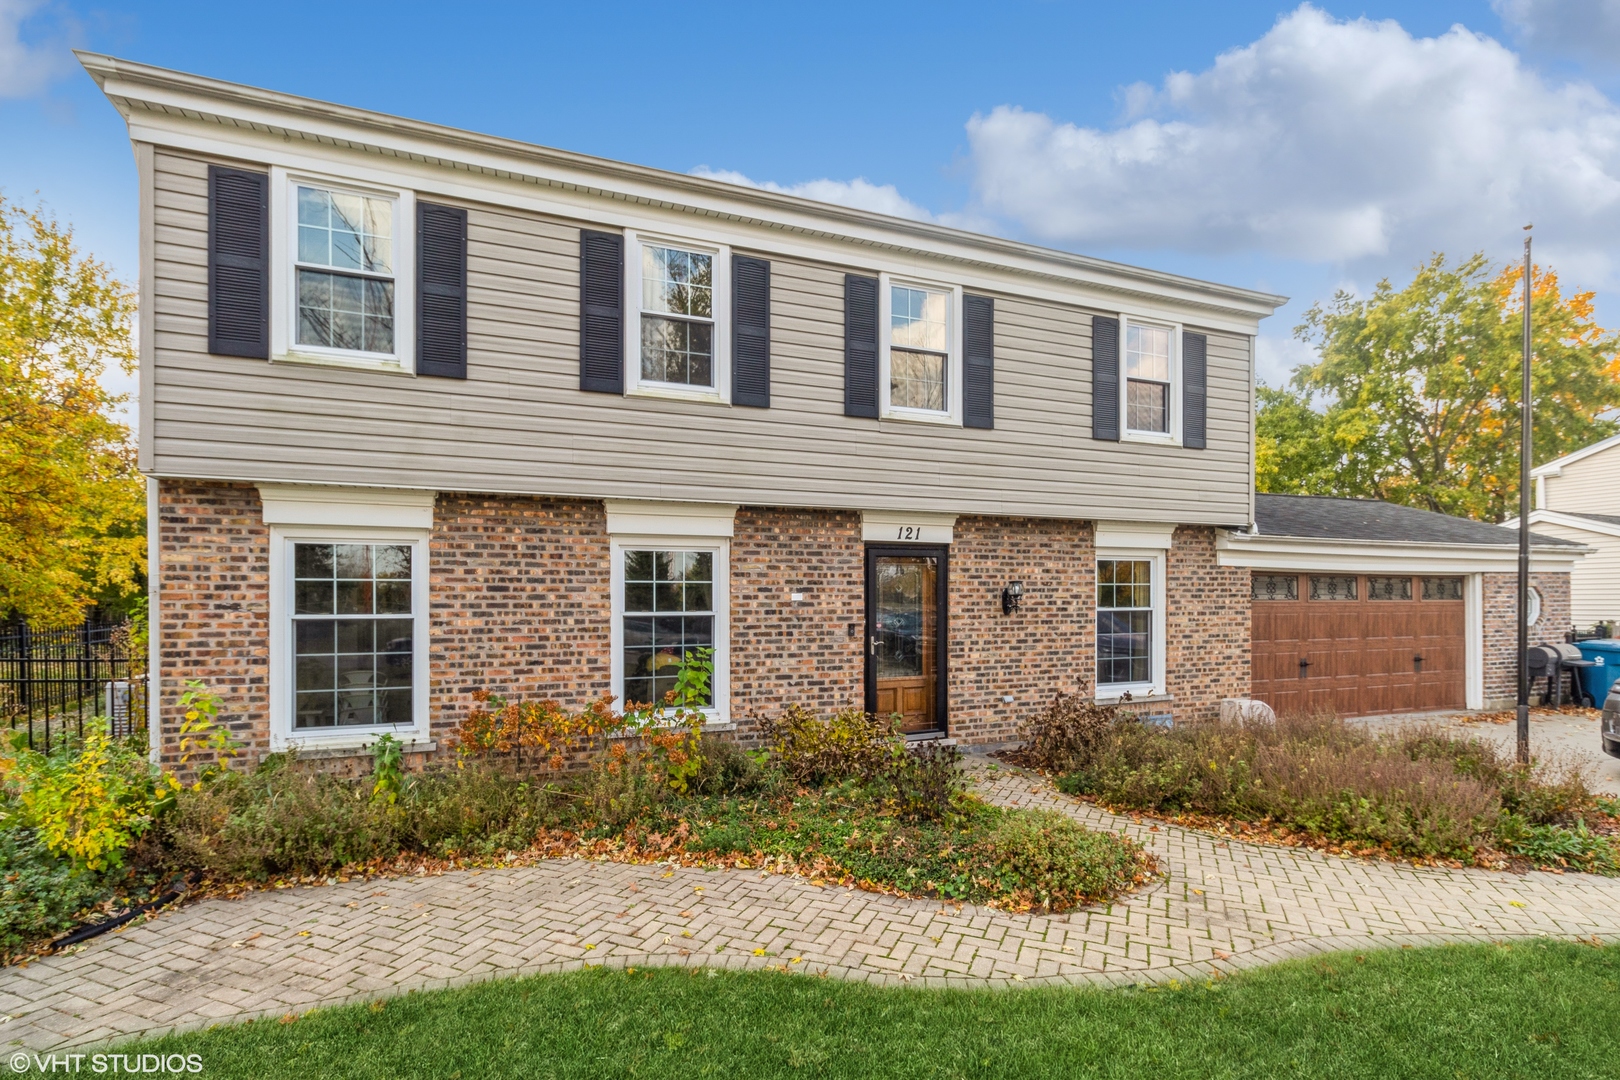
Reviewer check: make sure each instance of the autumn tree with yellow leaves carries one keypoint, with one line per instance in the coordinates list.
(72, 505)
(1414, 396)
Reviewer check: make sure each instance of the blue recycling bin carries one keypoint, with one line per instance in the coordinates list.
(1605, 670)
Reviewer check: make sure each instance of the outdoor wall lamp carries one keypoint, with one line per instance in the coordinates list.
(1010, 597)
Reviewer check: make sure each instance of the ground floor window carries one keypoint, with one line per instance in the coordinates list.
(350, 625)
(669, 600)
(1125, 622)
(668, 612)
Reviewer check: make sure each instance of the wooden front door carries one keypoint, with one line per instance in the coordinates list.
(1377, 646)
(905, 635)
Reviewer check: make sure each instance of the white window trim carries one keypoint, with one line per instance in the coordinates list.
(720, 392)
(719, 714)
(1126, 432)
(1109, 692)
(953, 364)
(284, 275)
(282, 734)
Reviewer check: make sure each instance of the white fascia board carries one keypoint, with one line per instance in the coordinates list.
(1383, 557)
(1568, 521)
(351, 507)
(206, 116)
(1133, 534)
(630, 517)
(1555, 467)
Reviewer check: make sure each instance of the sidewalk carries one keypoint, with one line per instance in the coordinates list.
(1225, 905)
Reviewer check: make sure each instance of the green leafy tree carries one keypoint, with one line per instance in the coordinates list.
(1420, 390)
(72, 506)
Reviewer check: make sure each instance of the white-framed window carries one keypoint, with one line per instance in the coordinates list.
(1150, 379)
(920, 351)
(1130, 622)
(670, 597)
(349, 644)
(678, 329)
(342, 279)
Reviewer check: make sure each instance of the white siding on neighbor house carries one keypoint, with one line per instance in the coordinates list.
(1588, 486)
(520, 424)
(1594, 582)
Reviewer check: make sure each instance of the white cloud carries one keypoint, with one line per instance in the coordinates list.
(25, 70)
(1327, 141)
(860, 194)
(1589, 29)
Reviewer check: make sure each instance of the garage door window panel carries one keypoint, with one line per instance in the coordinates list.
(1333, 587)
(1276, 587)
(1389, 588)
(1442, 588)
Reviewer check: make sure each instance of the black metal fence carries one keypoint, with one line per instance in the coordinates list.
(52, 681)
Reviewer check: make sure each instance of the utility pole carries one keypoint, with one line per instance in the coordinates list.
(1524, 525)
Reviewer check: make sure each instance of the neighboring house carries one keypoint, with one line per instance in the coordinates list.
(427, 412)
(1577, 498)
(1364, 607)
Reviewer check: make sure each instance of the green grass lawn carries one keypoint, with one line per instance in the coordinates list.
(1540, 1010)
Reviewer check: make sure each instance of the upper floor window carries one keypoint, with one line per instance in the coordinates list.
(1149, 363)
(678, 325)
(677, 316)
(921, 359)
(342, 282)
(919, 348)
(345, 271)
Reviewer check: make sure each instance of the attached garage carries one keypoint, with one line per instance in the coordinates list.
(1365, 607)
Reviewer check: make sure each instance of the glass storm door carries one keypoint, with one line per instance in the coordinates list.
(905, 648)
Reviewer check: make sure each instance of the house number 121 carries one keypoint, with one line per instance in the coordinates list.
(909, 532)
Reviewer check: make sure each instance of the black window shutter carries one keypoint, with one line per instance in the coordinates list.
(238, 262)
(441, 291)
(601, 311)
(860, 346)
(1194, 390)
(1104, 378)
(978, 361)
(750, 332)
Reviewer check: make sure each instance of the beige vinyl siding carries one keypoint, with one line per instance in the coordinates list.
(1588, 486)
(1594, 583)
(519, 423)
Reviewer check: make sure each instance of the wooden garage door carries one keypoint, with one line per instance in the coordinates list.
(1358, 645)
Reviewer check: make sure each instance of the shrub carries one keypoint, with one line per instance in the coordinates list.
(1057, 862)
(1063, 737)
(41, 895)
(851, 744)
(920, 782)
(85, 802)
(1316, 774)
(726, 769)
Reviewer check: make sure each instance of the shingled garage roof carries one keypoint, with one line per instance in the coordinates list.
(1319, 517)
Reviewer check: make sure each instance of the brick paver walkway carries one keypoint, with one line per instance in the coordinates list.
(1222, 905)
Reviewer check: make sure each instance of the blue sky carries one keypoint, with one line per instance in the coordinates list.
(1295, 149)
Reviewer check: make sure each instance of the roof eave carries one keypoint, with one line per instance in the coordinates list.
(103, 68)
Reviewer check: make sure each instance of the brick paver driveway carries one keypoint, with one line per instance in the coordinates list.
(1222, 905)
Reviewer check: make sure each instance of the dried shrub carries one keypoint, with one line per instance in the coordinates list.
(1317, 774)
(1063, 737)
(1053, 863)
(850, 744)
(920, 782)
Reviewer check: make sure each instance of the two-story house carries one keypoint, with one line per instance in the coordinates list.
(426, 411)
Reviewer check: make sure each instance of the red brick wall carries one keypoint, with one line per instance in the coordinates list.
(1028, 655)
(1501, 629)
(1207, 626)
(213, 599)
(806, 651)
(521, 602)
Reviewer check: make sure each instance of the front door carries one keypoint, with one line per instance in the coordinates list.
(905, 636)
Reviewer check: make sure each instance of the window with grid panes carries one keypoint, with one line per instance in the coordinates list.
(1124, 621)
(345, 271)
(353, 635)
(668, 611)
